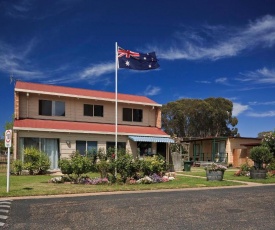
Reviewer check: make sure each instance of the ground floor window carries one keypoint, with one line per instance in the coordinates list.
(219, 152)
(120, 145)
(86, 148)
(50, 146)
(144, 149)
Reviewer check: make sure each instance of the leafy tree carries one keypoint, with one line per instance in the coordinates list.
(199, 118)
(8, 125)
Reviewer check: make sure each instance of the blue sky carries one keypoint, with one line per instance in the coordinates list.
(205, 49)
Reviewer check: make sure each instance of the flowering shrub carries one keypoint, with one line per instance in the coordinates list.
(58, 179)
(269, 141)
(215, 167)
(271, 173)
(156, 178)
(131, 181)
(95, 181)
(145, 180)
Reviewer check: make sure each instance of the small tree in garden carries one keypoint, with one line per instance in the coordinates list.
(127, 166)
(77, 165)
(260, 155)
(35, 161)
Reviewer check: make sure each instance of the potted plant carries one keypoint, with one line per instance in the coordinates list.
(215, 171)
(261, 157)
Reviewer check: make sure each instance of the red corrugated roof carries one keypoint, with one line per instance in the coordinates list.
(76, 92)
(84, 127)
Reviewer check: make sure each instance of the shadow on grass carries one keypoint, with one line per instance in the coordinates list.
(28, 188)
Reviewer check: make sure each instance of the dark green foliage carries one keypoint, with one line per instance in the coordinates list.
(271, 165)
(199, 118)
(260, 155)
(106, 164)
(65, 166)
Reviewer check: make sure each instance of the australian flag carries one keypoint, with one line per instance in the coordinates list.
(138, 61)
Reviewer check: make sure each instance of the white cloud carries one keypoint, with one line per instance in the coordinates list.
(262, 103)
(221, 80)
(97, 70)
(263, 75)
(264, 114)
(239, 108)
(228, 42)
(19, 9)
(151, 90)
(92, 74)
(203, 82)
(15, 61)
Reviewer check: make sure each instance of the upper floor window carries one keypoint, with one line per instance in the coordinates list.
(132, 114)
(51, 108)
(93, 110)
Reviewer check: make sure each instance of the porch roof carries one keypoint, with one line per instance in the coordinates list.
(151, 139)
(86, 127)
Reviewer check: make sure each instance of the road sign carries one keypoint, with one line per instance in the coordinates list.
(8, 138)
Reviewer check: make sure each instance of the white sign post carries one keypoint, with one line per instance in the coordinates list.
(8, 138)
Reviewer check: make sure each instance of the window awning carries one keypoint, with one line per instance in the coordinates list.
(151, 139)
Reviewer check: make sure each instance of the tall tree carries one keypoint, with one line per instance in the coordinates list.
(199, 118)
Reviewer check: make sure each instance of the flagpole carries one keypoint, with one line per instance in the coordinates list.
(116, 108)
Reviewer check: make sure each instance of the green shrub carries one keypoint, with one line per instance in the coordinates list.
(65, 166)
(155, 164)
(44, 163)
(271, 165)
(80, 164)
(103, 168)
(76, 166)
(260, 155)
(17, 167)
(36, 162)
(127, 166)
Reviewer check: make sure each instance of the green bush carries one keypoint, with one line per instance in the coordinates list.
(17, 167)
(36, 162)
(65, 166)
(103, 168)
(151, 165)
(260, 155)
(76, 166)
(271, 165)
(80, 164)
(127, 166)
(44, 163)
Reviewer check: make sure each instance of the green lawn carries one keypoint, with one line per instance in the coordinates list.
(38, 185)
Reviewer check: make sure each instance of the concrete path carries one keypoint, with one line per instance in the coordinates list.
(243, 182)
